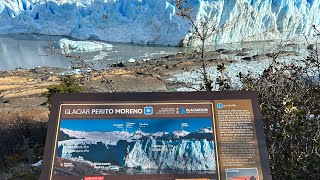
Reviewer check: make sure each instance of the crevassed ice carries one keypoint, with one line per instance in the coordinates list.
(184, 154)
(156, 22)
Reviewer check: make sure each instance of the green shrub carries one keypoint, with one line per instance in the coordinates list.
(290, 104)
(68, 84)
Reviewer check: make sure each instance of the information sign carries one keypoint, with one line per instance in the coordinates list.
(189, 135)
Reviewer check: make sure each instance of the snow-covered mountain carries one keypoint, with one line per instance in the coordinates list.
(138, 134)
(115, 136)
(159, 134)
(112, 136)
(205, 130)
(180, 133)
(156, 21)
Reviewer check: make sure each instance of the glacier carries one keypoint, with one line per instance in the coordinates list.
(182, 154)
(157, 22)
(179, 150)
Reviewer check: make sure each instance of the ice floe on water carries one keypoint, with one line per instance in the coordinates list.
(131, 60)
(82, 46)
(100, 56)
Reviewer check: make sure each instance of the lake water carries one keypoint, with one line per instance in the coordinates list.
(28, 51)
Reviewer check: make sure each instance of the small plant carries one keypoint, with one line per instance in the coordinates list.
(68, 84)
(222, 81)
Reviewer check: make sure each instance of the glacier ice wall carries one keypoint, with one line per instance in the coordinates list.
(184, 155)
(179, 154)
(156, 22)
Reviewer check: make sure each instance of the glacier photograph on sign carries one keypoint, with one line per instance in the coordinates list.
(137, 146)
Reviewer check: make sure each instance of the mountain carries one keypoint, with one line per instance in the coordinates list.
(64, 136)
(204, 133)
(115, 136)
(205, 130)
(159, 134)
(156, 21)
(180, 133)
(138, 134)
(110, 137)
(172, 135)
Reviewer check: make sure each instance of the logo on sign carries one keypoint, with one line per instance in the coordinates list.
(148, 110)
(182, 110)
(220, 105)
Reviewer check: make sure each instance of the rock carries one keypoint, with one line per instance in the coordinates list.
(246, 49)
(260, 57)
(287, 73)
(37, 164)
(242, 54)
(226, 52)
(119, 64)
(312, 47)
(269, 54)
(289, 53)
(248, 58)
(221, 50)
(291, 45)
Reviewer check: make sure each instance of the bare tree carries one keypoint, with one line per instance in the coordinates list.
(79, 61)
(200, 31)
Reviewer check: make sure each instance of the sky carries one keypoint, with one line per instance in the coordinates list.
(154, 125)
